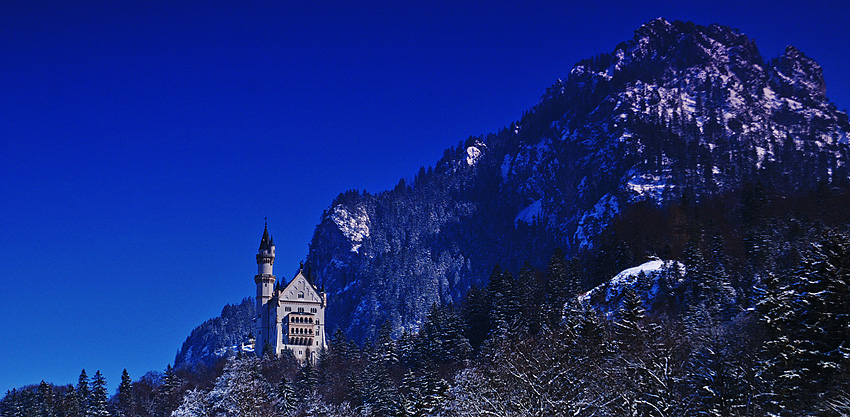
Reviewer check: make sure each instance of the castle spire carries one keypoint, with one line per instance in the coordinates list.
(265, 241)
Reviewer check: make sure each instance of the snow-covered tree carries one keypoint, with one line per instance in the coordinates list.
(97, 406)
(194, 405)
(125, 395)
(241, 391)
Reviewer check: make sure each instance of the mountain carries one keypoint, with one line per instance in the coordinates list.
(218, 336)
(680, 112)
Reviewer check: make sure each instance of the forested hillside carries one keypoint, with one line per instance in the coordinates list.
(678, 113)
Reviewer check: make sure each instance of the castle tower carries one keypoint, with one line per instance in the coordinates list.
(265, 286)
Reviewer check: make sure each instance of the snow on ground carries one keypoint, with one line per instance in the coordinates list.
(611, 290)
(529, 213)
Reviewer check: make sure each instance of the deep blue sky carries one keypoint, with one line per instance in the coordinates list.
(142, 143)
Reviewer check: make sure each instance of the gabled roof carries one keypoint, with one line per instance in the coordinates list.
(300, 284)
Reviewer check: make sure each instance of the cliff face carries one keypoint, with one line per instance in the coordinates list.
(679, 111)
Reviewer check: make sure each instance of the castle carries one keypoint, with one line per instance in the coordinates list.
(288, 317)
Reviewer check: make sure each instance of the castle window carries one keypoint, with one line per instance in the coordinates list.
(300, 309)
(313, 310)
(287, 309)
(300, 295)
(311, 319)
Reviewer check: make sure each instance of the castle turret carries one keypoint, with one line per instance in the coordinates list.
(265, 286)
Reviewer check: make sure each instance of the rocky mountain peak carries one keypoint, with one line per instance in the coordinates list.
(799, 76)
(680, 111)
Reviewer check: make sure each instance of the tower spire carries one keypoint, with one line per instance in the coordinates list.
(265, 241)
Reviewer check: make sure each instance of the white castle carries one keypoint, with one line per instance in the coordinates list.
(290, 317)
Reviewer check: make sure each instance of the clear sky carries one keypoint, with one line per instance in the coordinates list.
(142, 143)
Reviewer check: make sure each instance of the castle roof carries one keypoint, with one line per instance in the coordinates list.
(265, 242)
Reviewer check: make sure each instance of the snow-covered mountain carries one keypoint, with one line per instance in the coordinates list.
(680, 111)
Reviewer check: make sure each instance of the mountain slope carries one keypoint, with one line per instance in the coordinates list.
(680, 111)
(216, 337)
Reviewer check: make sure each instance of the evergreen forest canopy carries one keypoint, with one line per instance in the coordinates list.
(523, 346)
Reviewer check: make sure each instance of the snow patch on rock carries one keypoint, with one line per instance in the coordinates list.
(354, 225)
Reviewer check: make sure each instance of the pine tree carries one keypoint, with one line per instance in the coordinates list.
(71, 403)
(83, 393)
(241, 390)
(44, 400)
(557, 285)
(125, 395)
(99, 396)
(386, 346)
(433, 393)
(591, 332)
(378, 388)
(476, 315)
(630, 315)
(529, 307)
(286, 401)
(717, 379)
(11, 404)
(443, 336)
(305, 381)
(504, 301)
(169, 395)
(194, 404)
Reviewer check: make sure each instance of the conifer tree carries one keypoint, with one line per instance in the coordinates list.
(305, 381)
(386, 346)
(125, 395)
(286, 400)
(170, 394)
(99, 396)
(71, 403)
(44, 400)
(504, 301)
(476, 317)
(194, 404)
(241, 390)
(83, 393)
(378, 388)
(630, 315)
(591, 332)
(557, 285)
(530, 319)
